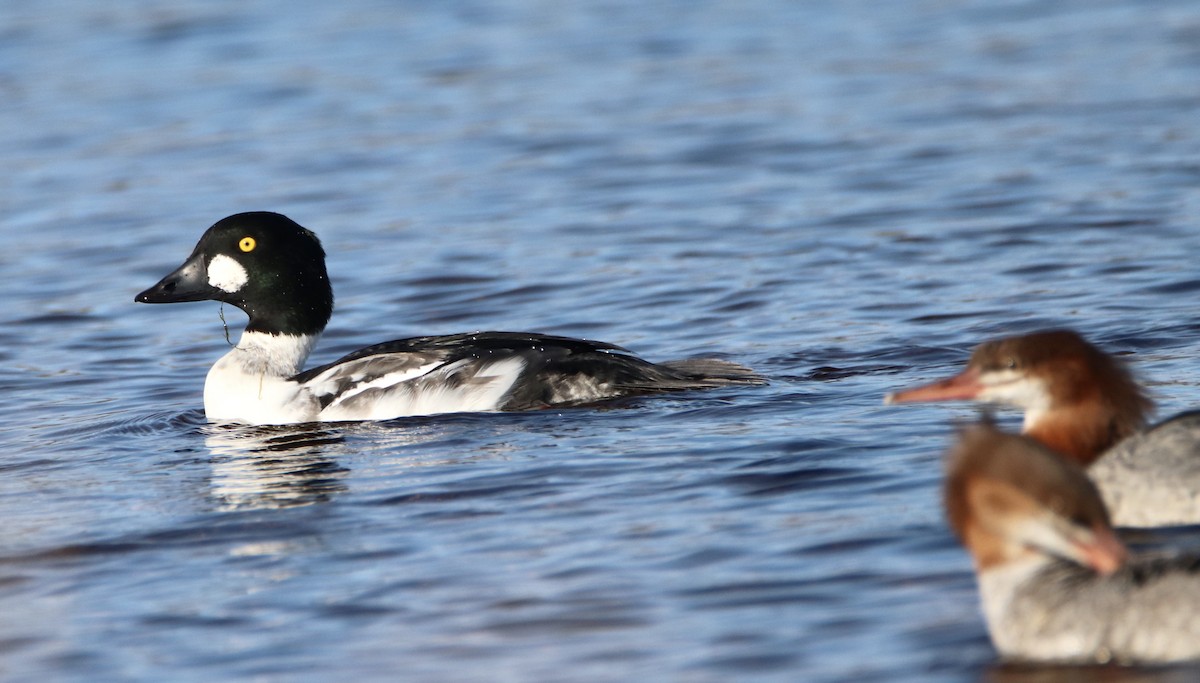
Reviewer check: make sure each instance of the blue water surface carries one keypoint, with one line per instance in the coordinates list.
(845, 196)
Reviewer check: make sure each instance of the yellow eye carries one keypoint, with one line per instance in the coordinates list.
(247, 244)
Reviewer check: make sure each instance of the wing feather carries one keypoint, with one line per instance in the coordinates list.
(499, 371)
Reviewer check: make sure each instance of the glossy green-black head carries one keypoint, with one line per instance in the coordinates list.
(265, 264)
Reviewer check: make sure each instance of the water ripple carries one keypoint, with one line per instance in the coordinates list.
(847, 201)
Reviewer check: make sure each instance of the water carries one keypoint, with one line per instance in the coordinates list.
(846, 196)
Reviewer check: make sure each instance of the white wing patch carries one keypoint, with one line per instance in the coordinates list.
(467, 385)
(326, 382)
(226, 274)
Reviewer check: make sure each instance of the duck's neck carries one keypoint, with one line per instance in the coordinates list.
(1081, 432)
(999, 588)
(274, 355)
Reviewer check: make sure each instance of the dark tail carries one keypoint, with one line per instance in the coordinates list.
(701, 373)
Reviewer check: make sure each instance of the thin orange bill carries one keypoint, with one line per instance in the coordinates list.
(963, 386)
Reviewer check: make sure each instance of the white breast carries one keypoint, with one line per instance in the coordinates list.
(250, 383)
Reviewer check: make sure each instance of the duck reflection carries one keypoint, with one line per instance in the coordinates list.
(259, 466)
(273, 467)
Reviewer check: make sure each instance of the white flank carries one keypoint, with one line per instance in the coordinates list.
(440, 398)
(390, 379)
(226, 274)
(324, 382)
(436, 395)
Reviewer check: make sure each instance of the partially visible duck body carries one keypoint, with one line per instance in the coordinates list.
(274, 270)
(1085, 405)
(1153, 477)
(1055, 583)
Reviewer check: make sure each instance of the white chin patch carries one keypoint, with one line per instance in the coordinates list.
(226, 274)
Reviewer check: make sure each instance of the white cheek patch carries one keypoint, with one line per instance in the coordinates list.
(226, 274)
(1013, 389)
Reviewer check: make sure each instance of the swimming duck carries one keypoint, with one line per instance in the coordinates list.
(273, 269)
(1055, 583)
(1085, 404)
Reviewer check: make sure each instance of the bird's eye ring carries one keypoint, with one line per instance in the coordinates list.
(247, 244)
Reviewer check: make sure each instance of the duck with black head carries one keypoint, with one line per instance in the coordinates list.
(273, 269)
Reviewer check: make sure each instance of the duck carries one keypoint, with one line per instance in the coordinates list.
(1086, 405)
(1055, 582)
(274, 270)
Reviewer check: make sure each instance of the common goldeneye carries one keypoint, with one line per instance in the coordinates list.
(273, 269)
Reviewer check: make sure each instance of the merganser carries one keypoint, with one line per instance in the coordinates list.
(1085, 404)
(1054, 581)
(273, 269)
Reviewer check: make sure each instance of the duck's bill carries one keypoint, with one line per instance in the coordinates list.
(964, 386)
(1102, 551)
(188, 282)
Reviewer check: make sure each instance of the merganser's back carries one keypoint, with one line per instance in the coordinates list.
(1087, 406)
(274, 270)
(1153, 477)
(1054, 581)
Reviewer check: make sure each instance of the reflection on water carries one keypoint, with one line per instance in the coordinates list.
(292, 465)
(273, 467)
